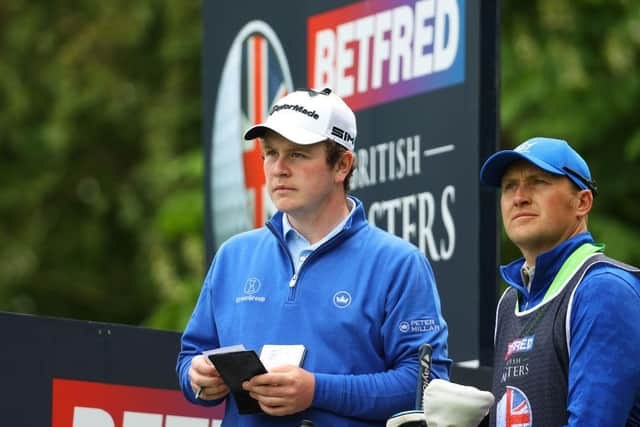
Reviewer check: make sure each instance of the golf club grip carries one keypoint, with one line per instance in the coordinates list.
(424, 369)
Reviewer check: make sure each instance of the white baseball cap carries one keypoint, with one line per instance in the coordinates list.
(310, 116)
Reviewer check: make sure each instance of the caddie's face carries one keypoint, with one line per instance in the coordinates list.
(539, 209)
(299, 180)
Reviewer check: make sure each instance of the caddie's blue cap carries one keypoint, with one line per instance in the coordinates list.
(549, 154)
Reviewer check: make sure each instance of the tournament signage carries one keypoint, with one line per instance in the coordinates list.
(73, 373)
(95, 404)
(375, 52)
(410, 70)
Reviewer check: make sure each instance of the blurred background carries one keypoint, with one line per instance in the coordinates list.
(101, 156)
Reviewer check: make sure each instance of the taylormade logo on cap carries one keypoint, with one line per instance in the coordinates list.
(308, 117)
(297, 108)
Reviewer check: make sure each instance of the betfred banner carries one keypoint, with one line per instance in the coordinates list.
(411, 71)
(72, 373)
(376, 52)
(95, 404)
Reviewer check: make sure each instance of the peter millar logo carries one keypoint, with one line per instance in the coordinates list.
(404, 326)
(342, 299)
(418, 325)
(255, 75)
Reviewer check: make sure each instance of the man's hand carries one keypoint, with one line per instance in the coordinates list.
(284, 390)
(205, 377)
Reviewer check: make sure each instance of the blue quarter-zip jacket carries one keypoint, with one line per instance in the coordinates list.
(604, 331)
(362, 304)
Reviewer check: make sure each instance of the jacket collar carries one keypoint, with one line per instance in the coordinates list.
(355, 221)
(547, 266)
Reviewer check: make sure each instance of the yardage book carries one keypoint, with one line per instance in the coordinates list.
(237, 364)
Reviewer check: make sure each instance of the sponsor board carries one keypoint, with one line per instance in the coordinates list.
(94, 404)
(374, 52)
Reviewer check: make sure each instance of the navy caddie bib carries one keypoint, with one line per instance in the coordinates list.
(531, 356)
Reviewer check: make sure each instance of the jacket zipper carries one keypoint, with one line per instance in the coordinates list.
(294, 279)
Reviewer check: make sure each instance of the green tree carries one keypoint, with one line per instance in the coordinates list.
(101, 174)
(570, 69)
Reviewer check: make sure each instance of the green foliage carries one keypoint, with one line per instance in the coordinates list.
(101, 159)
(571, 69)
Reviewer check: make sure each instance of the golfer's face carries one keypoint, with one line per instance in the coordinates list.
(299, 180)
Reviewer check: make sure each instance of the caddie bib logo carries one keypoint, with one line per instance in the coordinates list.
(514, 409)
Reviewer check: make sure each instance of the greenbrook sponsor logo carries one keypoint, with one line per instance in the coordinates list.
(250, 298)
